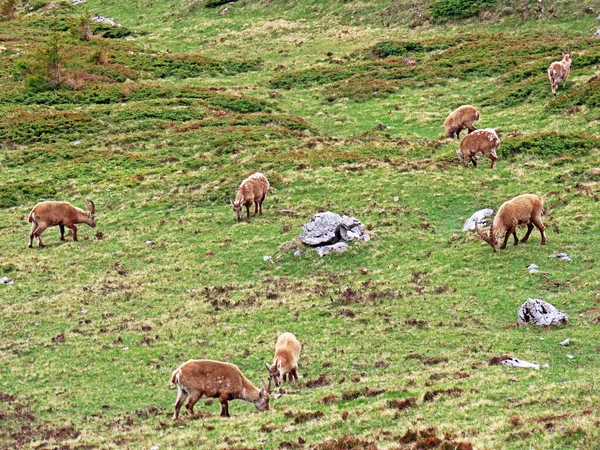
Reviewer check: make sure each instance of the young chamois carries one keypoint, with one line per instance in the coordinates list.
(484, 141)
(559, 71)
(285, 362)
(524, 209)
(252, 190)
(459, 119)
(214, 379)
(63, 214)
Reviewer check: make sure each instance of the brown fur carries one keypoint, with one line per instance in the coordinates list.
(252, 190)
(559, 71)
(459, 119)
(285, 362)
(63, 214)
(214, 379)
(484, 141)
(524, 209)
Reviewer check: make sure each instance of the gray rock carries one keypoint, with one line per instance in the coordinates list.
(298, 253)
(566, 342)
(520, 363)
(479, 217)
(597, 34)
(6, 280)
(326, 249)
(564, 256)
(541, 313)
(322, 229)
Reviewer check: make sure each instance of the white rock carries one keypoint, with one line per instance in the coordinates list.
(396, 199)
(570, 356)
(83, 311)
(266, 258)
(149, 242)
(326, 249)
(479, 217)
(6, 280)
(125, 348)
(514, 362)
(564, 256)
(532, 266)
(566, 342)
(298, 253)
(541, 313)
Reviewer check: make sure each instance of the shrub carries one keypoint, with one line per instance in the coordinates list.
(109, 31)
(7, 9)
(443, 10)
(550, 144)
(13, 194)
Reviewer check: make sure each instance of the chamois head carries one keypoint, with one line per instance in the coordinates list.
(490, 238)
(237, 207)
(91, 210)
(262, 404)
(567, 57)
(274, 372)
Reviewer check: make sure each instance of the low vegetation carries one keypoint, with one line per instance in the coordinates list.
(342, 106)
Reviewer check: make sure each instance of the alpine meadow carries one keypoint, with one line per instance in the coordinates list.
(147, 115)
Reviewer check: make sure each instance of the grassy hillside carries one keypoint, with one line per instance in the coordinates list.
(341, 105)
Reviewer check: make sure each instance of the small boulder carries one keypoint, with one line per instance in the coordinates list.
(326, 249)
(541, 313)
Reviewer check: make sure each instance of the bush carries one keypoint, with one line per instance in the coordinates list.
(110, 32)
(443, 10)
(549, 145)
(14, 194)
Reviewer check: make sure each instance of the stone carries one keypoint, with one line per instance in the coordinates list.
(597, 34)
(298, 253)
(479, 217)
(326, 249)
(564, 256)
(322, 229)
(541, 313)
(6, 280)
(566, 342)
(514, 362)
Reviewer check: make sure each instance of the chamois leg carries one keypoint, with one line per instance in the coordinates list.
(74, 229)
(255, 208)
(472, 158)
(34, 227)
(540, 226)
(181, 396)
(37, 233)
(506, 236)
(62, 232)
(529, 230)
(194, 397)
(295, 373)
(494, 158)
(284, 377)
(261, 202)
(224, 407)
(514, 233)
(248, 213)
(458, 133)
(471, 128)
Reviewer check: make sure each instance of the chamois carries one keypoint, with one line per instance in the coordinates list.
(524, 209)
(214, 379)
(559, 71)
(459, 119)
(484, 141)
(252, 190)
(63, 214)
(285, 362)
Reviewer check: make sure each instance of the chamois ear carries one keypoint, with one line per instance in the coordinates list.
(269, 386)
(231, 201)
(267, 366)
(278, 364)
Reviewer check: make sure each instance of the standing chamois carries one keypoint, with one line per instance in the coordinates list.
(524, 209)
(459, 119)
(252, 190)
(214, 379)
(559, 71)
(63, 214)
(285, 362)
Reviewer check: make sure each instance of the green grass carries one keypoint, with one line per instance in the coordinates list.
(160, 126)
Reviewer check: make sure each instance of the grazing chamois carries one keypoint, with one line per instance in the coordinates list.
(63, 214)
(252, 190)
(285, 362)
(214, 379)
(559, 71)
(484, 141)
(459, 119)
(524, 209)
